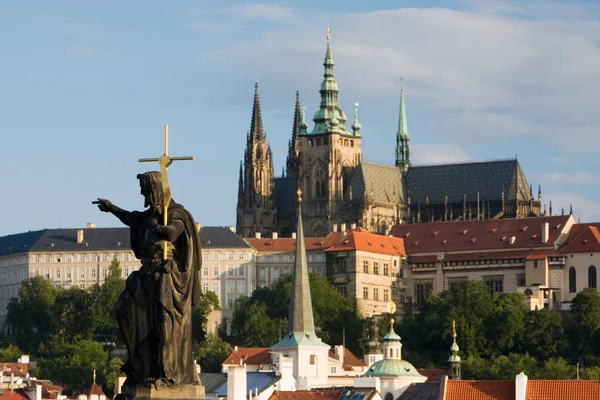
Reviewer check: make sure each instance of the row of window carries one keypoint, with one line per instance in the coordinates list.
(68, 258)
(374, 292)
(231, 270)
(9, 262)
(592, 279)
(216, 255)
(80, 272)
(289, 258)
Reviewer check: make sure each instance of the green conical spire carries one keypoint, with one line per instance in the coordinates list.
(329, 118)
(301, 316)
(402, 137)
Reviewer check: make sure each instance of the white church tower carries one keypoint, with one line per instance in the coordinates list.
(308, 352)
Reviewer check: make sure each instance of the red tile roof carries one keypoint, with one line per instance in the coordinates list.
(289, 244)
(480, 390)
(563, 390)
(350, 360)
(306, 395)
(253, 356)
(19, 369)
(433, 374)
(439, 237)
(10, 395)
(95, 390)
(370, 242)
(583, 239)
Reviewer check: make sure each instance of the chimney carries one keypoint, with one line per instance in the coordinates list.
(79, 236)
(38, 392)
(257, 235)
(545, 232)
(275, 235)
(24, 359)
(335, 227)
(198, 227)
(512, 239)
(339, 353)
(236, 382)
(342, 227)
(293, 235)
(232, 229)
(521, 386)
(90, 225)
(353, 226)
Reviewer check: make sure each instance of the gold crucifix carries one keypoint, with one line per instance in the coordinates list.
(454, 329)
(164, 162)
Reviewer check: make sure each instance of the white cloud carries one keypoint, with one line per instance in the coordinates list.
(584, 208)
(437, 154)
(517, 69)
(233, 17)
(90, 52)
(561, 178)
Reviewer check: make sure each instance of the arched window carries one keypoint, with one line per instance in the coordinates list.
(313, 359)
(397, 353)
(592, 277)
(572, 278)
(528, 292)
(391, 353)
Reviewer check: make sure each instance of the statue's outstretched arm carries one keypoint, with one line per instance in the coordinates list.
(106, 206)
(169, 232)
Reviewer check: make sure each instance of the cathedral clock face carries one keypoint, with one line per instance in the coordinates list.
(319, 173)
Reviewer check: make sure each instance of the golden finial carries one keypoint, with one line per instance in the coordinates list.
(453, 328)
(299, 193)
(94, 376)
(328, 34)
(392, 320)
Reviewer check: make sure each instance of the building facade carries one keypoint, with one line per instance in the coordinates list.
(228, 270)
(326, 163)
(68, 257)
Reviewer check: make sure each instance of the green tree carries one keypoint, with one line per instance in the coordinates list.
(499, 367)
(543, 336)
(31, 313)
(556, 368)
(209, 302)
(71, 311)
(212, 352)
(251, 326)
(113, 371)
(104, 298)
(10, 353)
(583, 320)
(506, 323)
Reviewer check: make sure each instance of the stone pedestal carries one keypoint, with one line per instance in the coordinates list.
(150, 392)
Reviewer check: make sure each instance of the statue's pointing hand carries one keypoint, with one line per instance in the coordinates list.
(103, 204)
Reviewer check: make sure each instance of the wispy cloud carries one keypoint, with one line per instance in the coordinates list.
(89, 52)
(438, 154)
(234, 17)
(584, 208)
(561, 178)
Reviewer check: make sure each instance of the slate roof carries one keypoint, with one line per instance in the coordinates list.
(285, 195)
(433, 374)
(563, 390)
(380, 182)
(254, 380)
(220, 237)
(212, 381)
(60, 240)
(421, 391)
(487, 177)
(468, 236)
(480, 390)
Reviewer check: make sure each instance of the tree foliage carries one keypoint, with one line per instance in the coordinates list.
(211, 353)
(583, 320)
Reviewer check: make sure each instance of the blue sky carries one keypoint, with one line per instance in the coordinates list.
(87, 87)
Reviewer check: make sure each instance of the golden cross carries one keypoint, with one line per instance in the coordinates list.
(453, 328)
(299, 193)
(164, 162)
(94, 376)
(328, 34)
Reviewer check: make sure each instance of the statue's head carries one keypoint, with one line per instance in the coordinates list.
(151, 189)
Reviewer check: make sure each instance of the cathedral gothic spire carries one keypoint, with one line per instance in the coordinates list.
(402, 137)
(256, 211)
(293, 161)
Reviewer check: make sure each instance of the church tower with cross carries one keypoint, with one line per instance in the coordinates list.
(256, 209)
(328, 156)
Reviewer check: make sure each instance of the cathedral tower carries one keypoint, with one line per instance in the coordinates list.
(328, 157)
(402, 138)
(293, 160)
(256, 211)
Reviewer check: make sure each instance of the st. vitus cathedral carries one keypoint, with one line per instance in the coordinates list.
(338, 187)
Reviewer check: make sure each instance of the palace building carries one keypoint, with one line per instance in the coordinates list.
(326, 163)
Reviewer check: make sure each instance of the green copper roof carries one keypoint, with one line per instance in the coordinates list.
(392, 367)
(402, 124)
(300, 339)
(392, 336)
(402, 137)
(329, 118)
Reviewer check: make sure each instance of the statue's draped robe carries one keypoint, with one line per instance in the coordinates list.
(154, 311)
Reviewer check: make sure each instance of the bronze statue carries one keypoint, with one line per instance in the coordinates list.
(154, 311)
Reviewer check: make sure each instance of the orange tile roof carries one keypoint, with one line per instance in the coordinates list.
(289, 244)
(350, 360)
(306, 395)
(19, 369)
(480, 390)
(563, 390)
(436, 237)
(95, 390)
(543, 254)
(583, 240)
(10, 395)
(253, 356)
(370, 242)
